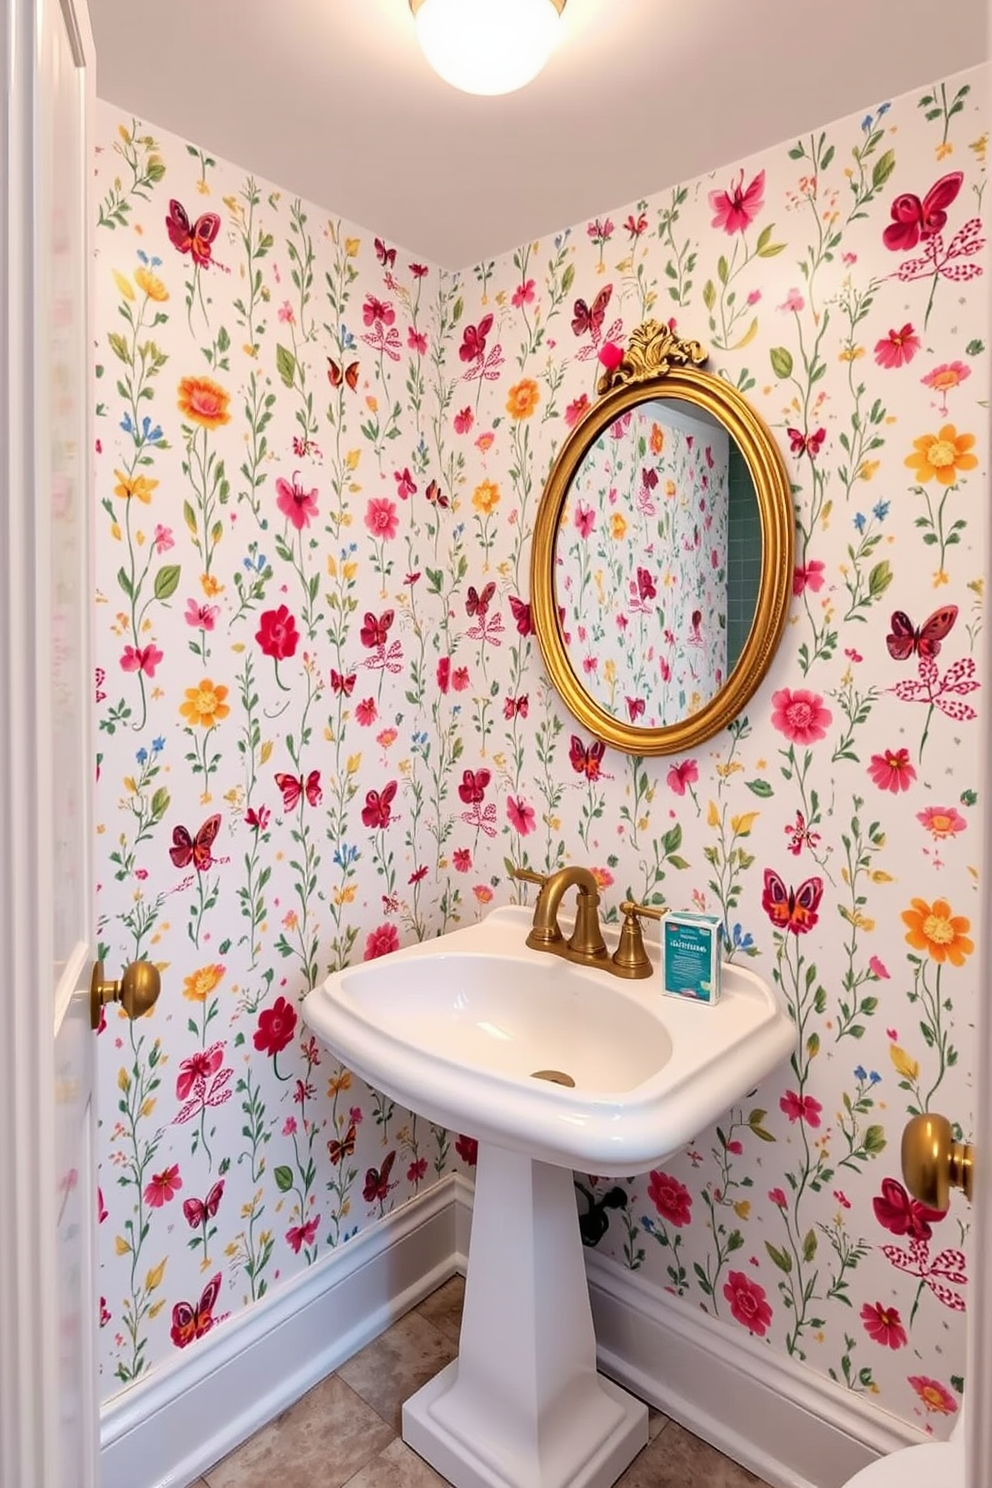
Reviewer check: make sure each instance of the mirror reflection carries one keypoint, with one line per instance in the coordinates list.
(657, 562)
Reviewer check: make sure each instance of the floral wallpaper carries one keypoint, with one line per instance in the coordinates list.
(642, 559)
(324, 729)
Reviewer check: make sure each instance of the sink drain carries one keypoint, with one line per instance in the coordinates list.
(557, 1077)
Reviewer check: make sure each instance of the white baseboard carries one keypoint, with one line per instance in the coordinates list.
(790, 1425)
(204, 1403)
(783, 1421)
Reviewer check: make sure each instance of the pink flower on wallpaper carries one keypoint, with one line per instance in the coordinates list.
(777, 1196)
(671, 1198)
(892, 771)
(808, 576)
(736, 209)
(419, 271)
(277, 634)
(935, 1397)
(459, 679)
(681, 776)
(610, 355)
(941, 822)
(380, 942)
(878, 968)
(800, 715)
(366, 712)
(897, 348)
(276, 1027)
(468, 1150)
(747, 1302)
(294, 502)
(141, 659)
(162, 1187)
(201, 616)
(285, 313)
(464, 419)
(801, 1108)
(521, 817)
(944, 378)
(417, 341)
(585, 519)
(198, 1069)
(793, 302)
(884, 1325)
(523, 295)
(443, 673)
(461, 860)
(164, 539)
(380, 517)
(417, 1171)
(375, 309)
(258, 819)
(405, 484)
(575, 410)
(299, 1235)
(900, 1214)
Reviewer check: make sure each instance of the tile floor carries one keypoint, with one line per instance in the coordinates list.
(346, 1429)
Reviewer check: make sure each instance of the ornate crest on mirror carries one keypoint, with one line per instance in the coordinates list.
(662, 559)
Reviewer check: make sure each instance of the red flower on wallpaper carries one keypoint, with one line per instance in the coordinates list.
(736, 209)
(681, 776)
(162, 1187)
(800, 715)
(299, 1235)
(935, 1397)
(801, 1108)
(296, 503)
(902, 1215)
(202, 1082)
(468, 1150)
(277, 634)
(747, 1302)
(897, 348)
(276, 1026)
(883, 1325)
(892, 771)
(671, 1198)
(198, 1069)
(380, 942)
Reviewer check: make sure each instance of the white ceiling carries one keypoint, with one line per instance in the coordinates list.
(331, 100)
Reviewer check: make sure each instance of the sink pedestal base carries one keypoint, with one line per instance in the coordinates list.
(522, 1406)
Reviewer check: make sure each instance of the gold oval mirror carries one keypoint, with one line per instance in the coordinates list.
(662, 560)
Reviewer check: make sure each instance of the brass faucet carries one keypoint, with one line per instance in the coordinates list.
(586, 946)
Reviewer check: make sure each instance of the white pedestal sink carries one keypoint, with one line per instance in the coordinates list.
(465, 1030)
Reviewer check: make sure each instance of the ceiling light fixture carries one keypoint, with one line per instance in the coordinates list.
(487, 46)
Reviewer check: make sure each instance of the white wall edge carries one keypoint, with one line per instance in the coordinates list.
(780, 1419)
(203, 1403)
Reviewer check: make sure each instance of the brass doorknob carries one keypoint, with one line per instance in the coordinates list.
(136, 991)
(933, 1162)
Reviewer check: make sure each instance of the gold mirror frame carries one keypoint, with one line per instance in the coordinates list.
(658, 364)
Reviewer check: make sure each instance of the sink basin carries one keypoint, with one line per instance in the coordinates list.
(551, 1066)
(460, 1028)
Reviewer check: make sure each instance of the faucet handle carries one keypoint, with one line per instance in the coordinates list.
(527, 876)
(630, 958)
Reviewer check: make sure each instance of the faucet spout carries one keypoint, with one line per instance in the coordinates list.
(587, 942)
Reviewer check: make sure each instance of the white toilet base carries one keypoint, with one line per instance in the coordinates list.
(936, 1465)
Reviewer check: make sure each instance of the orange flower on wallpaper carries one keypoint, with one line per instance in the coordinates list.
(523, 398)
(151, 284)
(199, 984)
(485, 497)
(205, 705)
(933, 929)
(204, 402)
(942, 456)
(139, 486)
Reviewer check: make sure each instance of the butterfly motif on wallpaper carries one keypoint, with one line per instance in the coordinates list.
(191, 1320)
(198, 1211)
(377, 811)
(377, 1184)
(187, 849)
(374, 635)
(195, 238)
(806, 444)
(342, 684)
(915, 221)
(520, 611)
(339, 1149)
(478, 604)
(587, 320)
(792, 909)
(435, 496)
(339, 373)
(386, 256)
(635, 708)
(905, 640)
(586, 759)
(295, 787)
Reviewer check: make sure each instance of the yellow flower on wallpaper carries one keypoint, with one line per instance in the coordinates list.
(618, 526)
(205, 705)
(139, 486)
(523, 398)
(932, 928)
(151, 284)
(908, 1068)
(942, 456)
(204, 402)
(199, 984)
(124, 285)
(485, 498)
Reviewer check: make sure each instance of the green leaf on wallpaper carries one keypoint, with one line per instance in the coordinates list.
(709, 294)
(879, 578)
(189, 516)
(119, 347)
(756, 1123)
(813, 1045)
(809, 1245)
(123, 578)
(672, 839)
(722, 269)
(780, 1258)
(167, 581)
(797, 152)
(284, 1178)
(781, 359)
(760, 788)
(883, 168)
(434, 578)
(675, 861)
(457, 310)
(286, 365)
(828, 156)
(216, 533)
(160, 804)
(874, 1140)
(764, 247)
(568, 278)
(734, 1240)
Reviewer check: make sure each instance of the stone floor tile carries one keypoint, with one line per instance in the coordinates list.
(397, 1467)
(396, 1364)
(443, 1308)
(677, 1459)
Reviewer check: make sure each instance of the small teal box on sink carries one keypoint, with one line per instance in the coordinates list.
(690, 964)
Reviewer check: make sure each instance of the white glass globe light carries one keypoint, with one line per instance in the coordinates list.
(487, 46)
